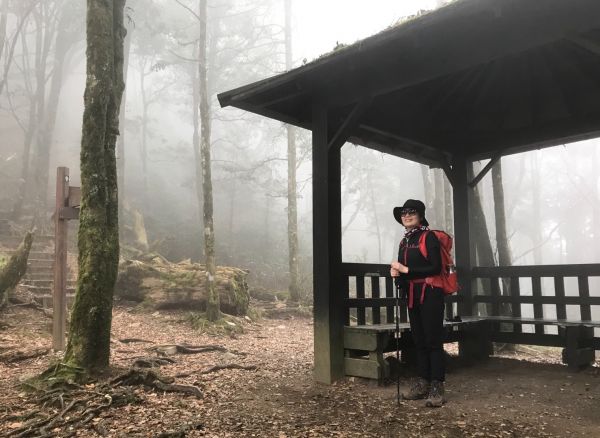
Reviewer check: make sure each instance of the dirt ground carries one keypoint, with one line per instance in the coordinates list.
(528, 394)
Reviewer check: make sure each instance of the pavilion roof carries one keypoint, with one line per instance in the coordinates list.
(477, 78)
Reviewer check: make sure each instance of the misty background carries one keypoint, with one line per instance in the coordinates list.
(551, 197)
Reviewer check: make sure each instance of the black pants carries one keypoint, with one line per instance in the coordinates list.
(427, 327)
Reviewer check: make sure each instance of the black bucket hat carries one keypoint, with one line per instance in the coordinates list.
(412, 203)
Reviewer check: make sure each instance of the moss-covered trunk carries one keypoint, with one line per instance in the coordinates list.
(13, 270)
(212, 306)
(98, 240)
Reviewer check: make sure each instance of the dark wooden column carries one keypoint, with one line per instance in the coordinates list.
(327, 253)
(462, 235)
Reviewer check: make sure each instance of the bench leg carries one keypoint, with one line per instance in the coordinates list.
(476, 343)
(576, 355)
(372, 367)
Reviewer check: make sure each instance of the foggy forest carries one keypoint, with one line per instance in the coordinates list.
(161, 270)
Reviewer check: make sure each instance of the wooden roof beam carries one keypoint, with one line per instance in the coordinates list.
(485, 170)
(350, 122)
(585, 43)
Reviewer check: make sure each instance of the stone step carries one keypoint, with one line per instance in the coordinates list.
(39, 274)
(36, 255)
(46, 271)
(45, 283)
(46, 290)
(39, 255)
(46, 301)
(35, 264)
(13, 240)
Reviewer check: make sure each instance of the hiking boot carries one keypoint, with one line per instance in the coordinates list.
(418, 390)
(436, 398)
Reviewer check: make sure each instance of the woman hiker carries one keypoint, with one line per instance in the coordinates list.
(425, 302)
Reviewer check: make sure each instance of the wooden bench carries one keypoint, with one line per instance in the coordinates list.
(365, 345)
(369, 303)
(575, 337)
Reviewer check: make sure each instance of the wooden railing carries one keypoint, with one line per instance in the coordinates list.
(496, 292)
(370, 296)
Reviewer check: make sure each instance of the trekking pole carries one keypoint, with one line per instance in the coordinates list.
(398, 343)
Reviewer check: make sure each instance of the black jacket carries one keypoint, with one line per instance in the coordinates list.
(419, 266)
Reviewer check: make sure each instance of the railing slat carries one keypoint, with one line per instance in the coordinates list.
(360, 294)
(584, 294)
(495, 289)
(346, 291)
(375, 293)
(515, 294)
(538, 309)
(559, 292)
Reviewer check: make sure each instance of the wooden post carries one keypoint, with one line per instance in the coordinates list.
(327, 253)
(462, 233)
(59, 308)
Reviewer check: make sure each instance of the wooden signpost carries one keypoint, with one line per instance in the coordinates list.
(67, 208)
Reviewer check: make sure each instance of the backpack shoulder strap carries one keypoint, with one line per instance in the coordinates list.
(423, 244)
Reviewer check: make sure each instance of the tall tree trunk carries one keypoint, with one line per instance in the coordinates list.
(213, 311)
(121, 139)
(448, 211)
(32, 123)
(3, 20)
(292, 195)
(428, 187)
(44, 41)
(98, 240)
(504, 256)
(144, 134)
(64, 43)
(11, 49)
(24, 180)
(536, 197)
(196, 144)
(375, 215)
(483, 244)
(438, 200)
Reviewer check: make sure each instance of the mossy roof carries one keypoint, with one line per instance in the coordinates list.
(476, 78)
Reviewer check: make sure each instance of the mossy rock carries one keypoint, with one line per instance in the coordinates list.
(163, 285)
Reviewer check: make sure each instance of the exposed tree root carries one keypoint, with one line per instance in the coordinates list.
(131, 340)
(17, 356)
(67, 406)
(151, 379)
(171, 349)
(231, 366)
(182, 432)
(151, 362)
(74, 408)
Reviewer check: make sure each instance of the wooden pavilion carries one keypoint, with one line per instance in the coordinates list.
(477, 79)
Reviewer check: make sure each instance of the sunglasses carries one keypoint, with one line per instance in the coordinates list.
(408, 212)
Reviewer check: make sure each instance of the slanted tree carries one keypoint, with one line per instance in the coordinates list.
(98, 239)
(502, 243)
(14, 269)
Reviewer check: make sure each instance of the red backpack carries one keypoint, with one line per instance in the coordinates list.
(447, 280)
